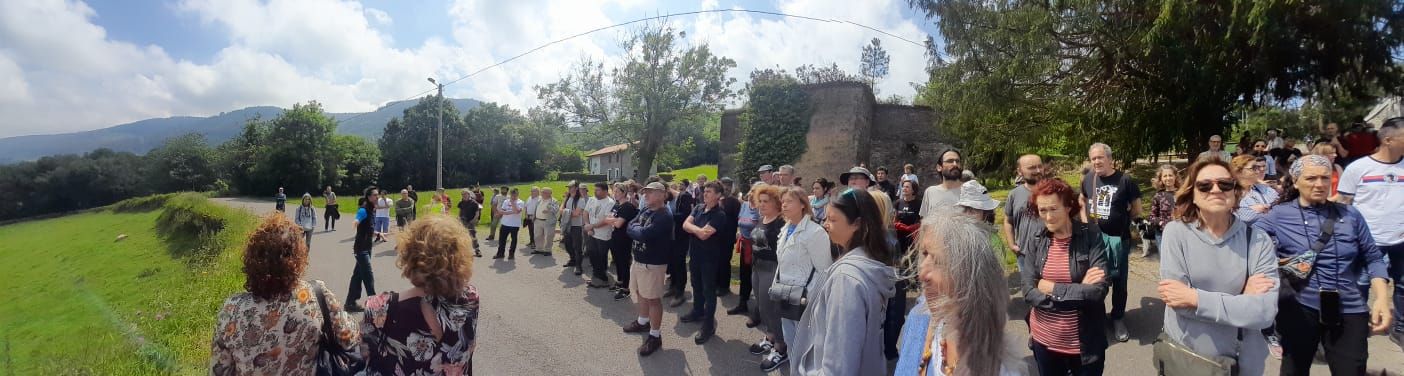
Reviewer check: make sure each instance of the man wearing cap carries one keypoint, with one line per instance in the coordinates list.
(766, 173)
(944, 195)
(1216, 150)
(652, 233)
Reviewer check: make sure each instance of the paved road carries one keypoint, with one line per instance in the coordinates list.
(539, 318)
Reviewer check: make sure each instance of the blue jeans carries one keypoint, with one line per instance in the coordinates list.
(1395, 254)
(382, 224)
(1118, 250)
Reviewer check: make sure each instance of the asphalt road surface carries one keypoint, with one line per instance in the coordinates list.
(539, 318)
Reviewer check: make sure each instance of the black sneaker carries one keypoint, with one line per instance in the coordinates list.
(621, 294)
(477, 254)
(773, 361)
(579, 271)
(636, 327)
(691, 317)
(740, 309)
(671, 293)
(704, 335)
(650, 345)
(762, 347)
(353, 307)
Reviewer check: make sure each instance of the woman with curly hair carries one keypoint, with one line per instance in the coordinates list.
(432, 327)
(273, 327)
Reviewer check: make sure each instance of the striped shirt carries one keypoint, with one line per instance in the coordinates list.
(1057, 330)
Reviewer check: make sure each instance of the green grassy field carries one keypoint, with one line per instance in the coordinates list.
(77, 301)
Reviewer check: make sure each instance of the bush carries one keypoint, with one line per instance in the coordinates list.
(191, 225)
(666, 176)
(141, 204)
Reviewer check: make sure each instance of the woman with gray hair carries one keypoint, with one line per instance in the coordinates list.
(957, 325)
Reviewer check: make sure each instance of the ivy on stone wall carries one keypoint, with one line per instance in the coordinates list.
(773, 127)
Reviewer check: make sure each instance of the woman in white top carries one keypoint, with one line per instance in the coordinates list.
(804, 254)
(962, 286)
(510, 213)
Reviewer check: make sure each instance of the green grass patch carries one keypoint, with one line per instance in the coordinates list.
(79, 301)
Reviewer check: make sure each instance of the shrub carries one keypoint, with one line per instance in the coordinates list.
(191, 225)
(141, 204)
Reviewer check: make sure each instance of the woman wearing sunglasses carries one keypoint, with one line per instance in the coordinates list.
(1255, 198)
(839, 334)
(1217, 276)
(1324, 248)
(1063, 274)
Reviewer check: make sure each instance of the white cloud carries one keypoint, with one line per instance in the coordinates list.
(339, 53)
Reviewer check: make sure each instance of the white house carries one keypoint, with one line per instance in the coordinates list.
(614, 162)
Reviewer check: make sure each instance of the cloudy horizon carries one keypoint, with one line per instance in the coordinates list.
(70, 66)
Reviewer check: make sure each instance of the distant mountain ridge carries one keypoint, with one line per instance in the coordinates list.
(143, 135)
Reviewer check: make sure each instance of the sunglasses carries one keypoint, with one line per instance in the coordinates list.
(1225, 185)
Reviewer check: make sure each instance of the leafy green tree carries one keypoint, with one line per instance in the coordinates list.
(299, 144)
(1143, 76)
(407, 146)
(356, 163)
(238, 159)
(657, 82)
(775, 122)
(810, 74)
(184, 163)
(874, 63)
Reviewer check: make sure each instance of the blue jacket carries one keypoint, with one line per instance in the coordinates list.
(1350, 253)
(652, 233)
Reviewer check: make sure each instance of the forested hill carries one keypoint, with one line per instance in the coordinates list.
(142, 136)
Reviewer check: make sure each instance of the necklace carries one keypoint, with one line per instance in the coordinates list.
(948, 365)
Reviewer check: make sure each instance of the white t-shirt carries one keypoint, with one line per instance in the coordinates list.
(597, 210)
(936, 198)
(531, 205)
(382, 207)
(514, 220)
(1378, 188)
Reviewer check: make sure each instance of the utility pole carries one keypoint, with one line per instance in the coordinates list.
(439, 155)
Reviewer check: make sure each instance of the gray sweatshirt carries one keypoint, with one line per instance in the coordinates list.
(841, 332)
(1217, 270)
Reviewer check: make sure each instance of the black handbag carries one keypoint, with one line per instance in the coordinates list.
(332, 358)
(1173, 358)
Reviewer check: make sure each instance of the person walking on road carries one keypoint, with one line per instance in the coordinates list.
(382, 217)
(280, 200)
(1372, 184)
(841, 333)
(546, 211)
(307, 218)
(331, 212)
(277, 297)
(1211, 309)
(510, 220)
(404, 209)
(1113, 199)
(469, 214)
(1064, 282)
(652, 232)
(431, 328)
(362, 275)
(1324, 248)
(530, 213)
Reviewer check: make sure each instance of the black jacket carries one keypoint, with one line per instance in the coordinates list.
(1086, 251)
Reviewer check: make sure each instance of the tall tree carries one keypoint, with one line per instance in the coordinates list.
(657, 82)
(874, 63)
(299, 144)
(1143, 76)
(184, 163)
(407, 145)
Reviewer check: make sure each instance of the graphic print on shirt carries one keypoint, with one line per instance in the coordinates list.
(1101, 204)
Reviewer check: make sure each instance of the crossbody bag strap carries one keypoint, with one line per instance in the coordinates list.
(326, 313)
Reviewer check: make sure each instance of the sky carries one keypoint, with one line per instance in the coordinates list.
(69, 66)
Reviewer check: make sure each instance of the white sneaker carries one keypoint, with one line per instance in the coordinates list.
(1120, 329)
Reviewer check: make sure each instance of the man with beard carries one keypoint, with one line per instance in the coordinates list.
(1112, 200)
(1020, 224)
(945, 195)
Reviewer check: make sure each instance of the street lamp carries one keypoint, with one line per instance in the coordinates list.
(439, 155)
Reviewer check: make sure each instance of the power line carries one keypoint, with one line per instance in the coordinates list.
(691, 13)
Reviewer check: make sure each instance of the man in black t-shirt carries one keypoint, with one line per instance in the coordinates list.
(1112, 201)
(468, 210)
(732, 207)
(705, 238)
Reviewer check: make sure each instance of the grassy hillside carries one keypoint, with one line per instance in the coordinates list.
(78, 301)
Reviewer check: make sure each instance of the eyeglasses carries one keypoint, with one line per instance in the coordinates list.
(1225, 185)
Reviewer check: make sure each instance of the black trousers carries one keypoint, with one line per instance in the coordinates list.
(502, 240)
(704, 291)
(724, 268)
(745, 277)
(329, 217)
(677, 270)
(1300, 331)
(1052, 363)
(598, 252)
(621, 249)
(531, 232)
(361, 275)
(573, 244)
(896, 317)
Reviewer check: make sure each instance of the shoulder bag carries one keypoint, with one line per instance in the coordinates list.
(1296, 269)
(332, 358)
(1172, 358)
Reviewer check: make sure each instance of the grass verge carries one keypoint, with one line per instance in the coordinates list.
(79, 301)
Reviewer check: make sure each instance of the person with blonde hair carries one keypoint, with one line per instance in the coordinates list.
(804, 258)
(1254, 198)
(438, 317)
(276, 296)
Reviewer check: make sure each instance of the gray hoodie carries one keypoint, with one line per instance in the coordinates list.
(847, 306)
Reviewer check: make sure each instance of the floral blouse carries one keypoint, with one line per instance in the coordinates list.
(1162, 208)
(399, 342)
(255, 336)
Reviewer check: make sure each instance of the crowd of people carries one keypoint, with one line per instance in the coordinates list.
(1263, 253)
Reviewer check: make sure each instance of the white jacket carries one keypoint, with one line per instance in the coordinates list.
(806, 251)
